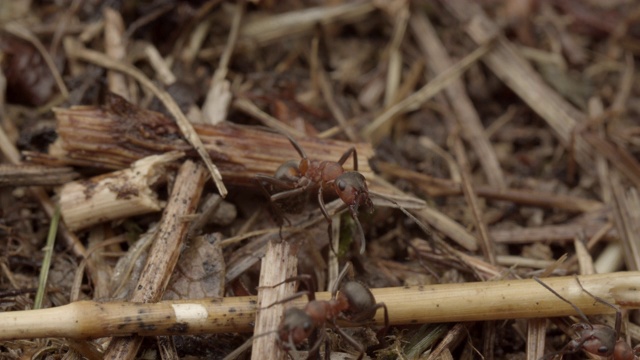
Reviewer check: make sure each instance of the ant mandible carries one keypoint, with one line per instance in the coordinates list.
(354, 302)
(597, 339)
(304, 176)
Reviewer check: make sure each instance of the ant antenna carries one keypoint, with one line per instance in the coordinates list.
(246, 345)
(295, 145)
(336, 284)
(605, 302)
(420, 224)
(577, 309)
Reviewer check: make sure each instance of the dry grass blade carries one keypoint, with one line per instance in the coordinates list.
(625, 209)
(508, 65)
(249, 108)
(536, 332)
(273, 28)
(444, 187)
(428, 91)
(466, 115)
(619, 157)
(46, 263)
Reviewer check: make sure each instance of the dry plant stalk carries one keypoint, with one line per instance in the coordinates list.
(119, 133)
(115, 195)
(478, 301)
(434, 186)
(35, 175)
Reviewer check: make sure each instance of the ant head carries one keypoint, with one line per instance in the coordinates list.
(295, 327)
(352, 189)
(624, 351)
(360, 299)
(288, 171)
(597, 339)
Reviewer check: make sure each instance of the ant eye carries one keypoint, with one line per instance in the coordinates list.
(603, 349)
(342, 185)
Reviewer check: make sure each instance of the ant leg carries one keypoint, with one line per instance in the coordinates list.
(306, 279)
(380, 335)
(287, 299)
(318, 336)
(325, 213)
(363, 241)
(261, 179)
(288, 193)
(336, 285)
(345, 156)
(383, 332)
(323, 208)
(605, 302)
(354, 215)
(577, 309)
(274, 181)
(351, 341)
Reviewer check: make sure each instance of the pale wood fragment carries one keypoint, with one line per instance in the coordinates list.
(116, 195)
(280, 263)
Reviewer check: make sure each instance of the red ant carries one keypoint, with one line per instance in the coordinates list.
(304, 176)
(354, 302)
(596, 339)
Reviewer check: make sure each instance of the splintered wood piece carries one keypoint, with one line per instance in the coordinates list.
(116, 195)
(165, 251)
(119, 133)
(279, 264)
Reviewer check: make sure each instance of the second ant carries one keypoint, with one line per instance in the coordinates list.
(353, 302)
(597, 339)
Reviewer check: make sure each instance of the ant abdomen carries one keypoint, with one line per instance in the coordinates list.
(288, 171)
(360, 299)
